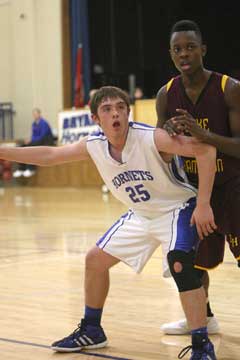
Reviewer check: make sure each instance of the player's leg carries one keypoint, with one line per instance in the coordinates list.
(193, 299)
(97, 265)
(209, 255)
(181, 265)
(231, 217)
(127, 240)
(203, 274)
(191, 291)
(89, 333)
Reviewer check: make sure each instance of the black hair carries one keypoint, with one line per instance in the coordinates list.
(106, 92)
(186, 25)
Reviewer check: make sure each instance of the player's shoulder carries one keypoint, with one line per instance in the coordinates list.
(231, 83)
(227, 82)
(135, 125)
(231, 88)
(162, 92)
(141, 134)
(97, 135)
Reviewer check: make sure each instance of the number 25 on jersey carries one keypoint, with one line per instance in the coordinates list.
(137, 193)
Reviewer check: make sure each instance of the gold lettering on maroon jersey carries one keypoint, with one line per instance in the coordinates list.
(203, 123)
(190, 166)
(233, 240)
(219, 165)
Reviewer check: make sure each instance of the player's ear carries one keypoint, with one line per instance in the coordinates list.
(204, 50)
(95, 118)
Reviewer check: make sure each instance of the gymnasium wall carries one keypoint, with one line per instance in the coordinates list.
(31, 60)
(6, 59)
(144, 111)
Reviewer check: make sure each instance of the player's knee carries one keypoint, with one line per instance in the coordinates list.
(177, 267)
(182, 269)
(95, 261)
(92, 261)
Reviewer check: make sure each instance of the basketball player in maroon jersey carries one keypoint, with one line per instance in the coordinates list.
(206, 104)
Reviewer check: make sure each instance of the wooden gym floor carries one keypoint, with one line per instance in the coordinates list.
(45, 234)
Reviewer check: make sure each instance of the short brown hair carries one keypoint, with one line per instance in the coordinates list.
(106, 92)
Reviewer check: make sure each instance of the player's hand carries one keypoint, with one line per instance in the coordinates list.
(203, 218)
(189, 125)
(173, 127)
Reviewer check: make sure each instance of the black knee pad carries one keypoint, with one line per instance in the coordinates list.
(200, 273)
(187, 279)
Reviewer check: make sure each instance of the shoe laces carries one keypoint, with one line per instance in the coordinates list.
(197, 353)
(80, 328)
(184, 351)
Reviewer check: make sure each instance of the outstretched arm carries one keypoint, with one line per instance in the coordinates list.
(46, 155)
(206, 161)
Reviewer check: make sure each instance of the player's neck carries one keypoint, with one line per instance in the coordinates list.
(116, 152)
(198, 78)
(116, 144)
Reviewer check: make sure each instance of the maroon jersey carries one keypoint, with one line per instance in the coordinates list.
(210, 112)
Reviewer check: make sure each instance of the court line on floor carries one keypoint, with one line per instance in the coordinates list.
(75, 352)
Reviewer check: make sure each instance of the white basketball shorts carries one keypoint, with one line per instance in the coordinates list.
(134, 238)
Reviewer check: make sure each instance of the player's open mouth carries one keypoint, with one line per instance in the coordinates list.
(116, 124)
(185, 66)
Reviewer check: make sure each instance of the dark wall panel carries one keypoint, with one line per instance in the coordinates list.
(132, 36)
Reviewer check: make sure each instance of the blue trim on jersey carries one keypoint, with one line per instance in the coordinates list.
(175, 171)
(187, 236)
(177, 165)
(101, 139)
(114, 227)
(142, 126)
(97, 133)
(173, 219)
(181, 182)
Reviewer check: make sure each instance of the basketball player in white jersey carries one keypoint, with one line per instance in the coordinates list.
(130, 159)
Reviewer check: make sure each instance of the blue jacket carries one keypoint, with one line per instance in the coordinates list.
(40, 130)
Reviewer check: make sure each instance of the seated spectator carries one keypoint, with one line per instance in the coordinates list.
(41, 135)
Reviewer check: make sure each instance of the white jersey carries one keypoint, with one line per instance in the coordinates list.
(142, 181)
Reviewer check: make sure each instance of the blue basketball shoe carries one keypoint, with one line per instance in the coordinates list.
(206, 353)
(84, 337)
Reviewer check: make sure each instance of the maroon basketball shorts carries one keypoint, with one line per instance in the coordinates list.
(226, 207)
